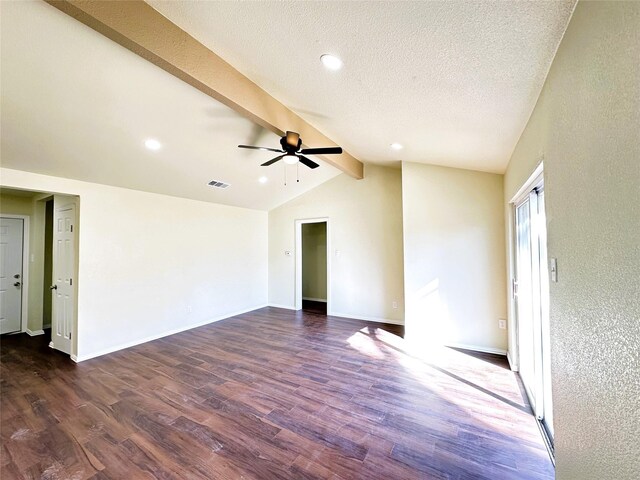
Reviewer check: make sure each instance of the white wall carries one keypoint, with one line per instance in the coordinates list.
(145, 258)
(587, 126)
(365, 225)
(454, 256)
(314, 261)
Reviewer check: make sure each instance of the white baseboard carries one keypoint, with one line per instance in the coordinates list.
(477, 348)
(311, 299)
(33, 333)
(122, 346)
(368, 319)
(286, 307)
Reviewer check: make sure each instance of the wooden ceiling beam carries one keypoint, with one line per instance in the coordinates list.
(136, 26)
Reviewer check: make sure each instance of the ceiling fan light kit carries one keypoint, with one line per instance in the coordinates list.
(292, 153)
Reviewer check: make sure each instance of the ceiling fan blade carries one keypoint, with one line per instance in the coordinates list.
(260, 148)
(321, 151)
(293, 138)
(273, 160)
(307, 162)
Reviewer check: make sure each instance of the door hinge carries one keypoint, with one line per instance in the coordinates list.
(71, 228)
(514, 288)
(70, 281)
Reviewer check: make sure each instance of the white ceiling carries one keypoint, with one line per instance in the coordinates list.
(75, 104)
(454, 82)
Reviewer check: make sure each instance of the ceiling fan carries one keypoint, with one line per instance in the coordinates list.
(291, 152)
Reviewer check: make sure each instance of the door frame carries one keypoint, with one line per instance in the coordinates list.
(298, 268)
(534, 390)
(534, 183)
(24, 314)
(537, 177)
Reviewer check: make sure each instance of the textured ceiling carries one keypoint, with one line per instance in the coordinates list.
(454, 82)
(77, 105)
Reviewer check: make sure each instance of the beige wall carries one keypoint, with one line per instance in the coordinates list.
(14, 205)
(454, 256)
(587, 127)
(152, 264)
(314, 261)
(365, 226)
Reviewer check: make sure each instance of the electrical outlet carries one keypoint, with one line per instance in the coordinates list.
(394, 304)
(502, 324)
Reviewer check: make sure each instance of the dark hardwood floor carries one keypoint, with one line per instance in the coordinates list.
(268, 394)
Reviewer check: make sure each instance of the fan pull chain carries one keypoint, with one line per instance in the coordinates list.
(298, 172)
(284, 165)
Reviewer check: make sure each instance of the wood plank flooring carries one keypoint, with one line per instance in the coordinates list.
(265, 395)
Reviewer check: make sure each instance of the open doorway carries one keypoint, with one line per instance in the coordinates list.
(312, 266)
(45, 276)
(531, 301)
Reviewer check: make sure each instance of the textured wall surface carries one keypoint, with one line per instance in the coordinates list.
(587, 126)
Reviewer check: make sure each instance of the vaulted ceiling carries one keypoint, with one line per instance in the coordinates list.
(77, 105)
(453, 82)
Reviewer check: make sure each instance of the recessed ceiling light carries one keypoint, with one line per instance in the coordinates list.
(152, 144)
(263, 179)
(290, 159)
(331, 61)
(396, 146)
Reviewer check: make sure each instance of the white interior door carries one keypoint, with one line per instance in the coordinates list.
(11, 251)
(63, 298)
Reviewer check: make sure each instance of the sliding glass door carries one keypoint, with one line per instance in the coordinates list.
(532, 303)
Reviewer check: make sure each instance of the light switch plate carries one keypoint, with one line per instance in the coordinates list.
(553, 269)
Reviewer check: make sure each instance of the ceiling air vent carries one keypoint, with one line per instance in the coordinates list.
(217, 184)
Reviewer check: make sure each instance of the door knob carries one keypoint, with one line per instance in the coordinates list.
(53, 287)
(17, 284)
(17, 275)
